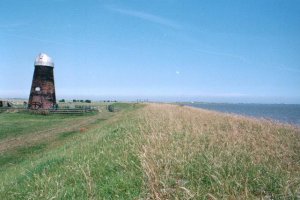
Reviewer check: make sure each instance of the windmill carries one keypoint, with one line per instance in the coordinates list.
(42, 93)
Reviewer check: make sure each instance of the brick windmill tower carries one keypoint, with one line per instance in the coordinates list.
(42, 93)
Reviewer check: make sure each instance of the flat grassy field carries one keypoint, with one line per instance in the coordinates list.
(147, 151)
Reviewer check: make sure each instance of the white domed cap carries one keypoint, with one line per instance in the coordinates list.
(43, 60)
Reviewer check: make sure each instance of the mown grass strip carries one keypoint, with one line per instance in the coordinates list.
(98, 163)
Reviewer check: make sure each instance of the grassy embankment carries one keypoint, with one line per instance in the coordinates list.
(154, 151)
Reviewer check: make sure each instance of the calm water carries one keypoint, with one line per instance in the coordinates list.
(287, 113)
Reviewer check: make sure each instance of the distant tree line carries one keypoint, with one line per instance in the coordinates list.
(87, 101)
(82, 101)
(77, 100)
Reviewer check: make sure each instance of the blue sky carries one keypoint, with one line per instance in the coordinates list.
(185, 50)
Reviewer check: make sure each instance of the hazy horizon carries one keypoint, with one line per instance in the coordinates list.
(204, 99)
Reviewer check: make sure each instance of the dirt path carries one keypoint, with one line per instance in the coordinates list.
(48, 134)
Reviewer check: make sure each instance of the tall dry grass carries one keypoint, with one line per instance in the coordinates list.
(189, 153)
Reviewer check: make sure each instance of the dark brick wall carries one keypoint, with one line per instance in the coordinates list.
(43, 78)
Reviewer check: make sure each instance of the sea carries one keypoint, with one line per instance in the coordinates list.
(285, 113)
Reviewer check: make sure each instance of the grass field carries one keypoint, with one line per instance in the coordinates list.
(147, 151)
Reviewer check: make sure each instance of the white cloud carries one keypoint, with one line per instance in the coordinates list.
(221, 54)
(289, 69)
(146, 16)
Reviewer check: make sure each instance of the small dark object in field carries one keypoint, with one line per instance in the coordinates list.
(110, 108)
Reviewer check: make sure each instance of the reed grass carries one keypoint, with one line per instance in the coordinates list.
(189, 153)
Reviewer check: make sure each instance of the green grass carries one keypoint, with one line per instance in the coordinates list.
(94, 169)
(20, 154)
(67, 134)
(97, 161)
(151, 152)
(14, 124)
